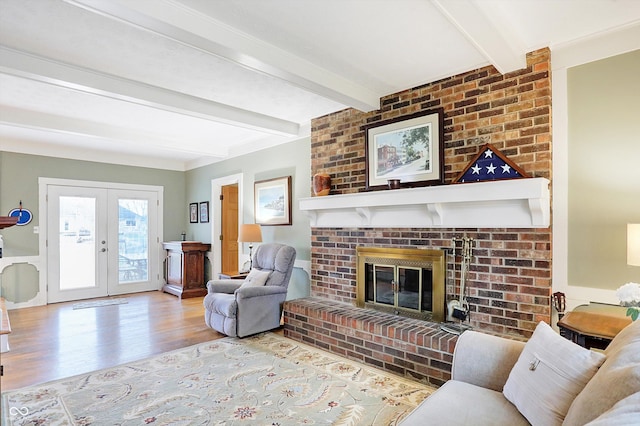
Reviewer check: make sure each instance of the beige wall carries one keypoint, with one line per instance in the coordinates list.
(604, 170)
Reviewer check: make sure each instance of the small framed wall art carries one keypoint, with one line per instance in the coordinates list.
(272, 201)
(193, 213)
(204, 212)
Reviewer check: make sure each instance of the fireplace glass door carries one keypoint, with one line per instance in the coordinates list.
(399, 286)
(410, 289)
(382, 285)
(400, 281)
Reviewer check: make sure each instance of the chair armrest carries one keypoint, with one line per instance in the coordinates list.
(223, 286)
(484, 360)
(248, 292)
(259, 308)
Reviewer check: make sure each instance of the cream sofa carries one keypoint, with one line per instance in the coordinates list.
(485, 382)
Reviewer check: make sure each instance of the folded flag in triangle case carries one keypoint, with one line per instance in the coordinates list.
(490, 164)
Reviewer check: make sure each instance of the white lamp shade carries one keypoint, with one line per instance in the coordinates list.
(633, 244)
(249, 233)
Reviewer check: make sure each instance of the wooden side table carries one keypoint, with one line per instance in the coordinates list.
(185, 268)
(593, 325)
(232, 275)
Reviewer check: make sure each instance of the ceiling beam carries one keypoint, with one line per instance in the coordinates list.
(53, 123)
(25, 65)
(472, 22)
(182, 24)
(38, 147)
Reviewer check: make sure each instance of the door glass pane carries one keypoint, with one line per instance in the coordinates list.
(384, 284)
(77, 243)
(368, 291)
(133, 240)
(409, 288)
(427, 289)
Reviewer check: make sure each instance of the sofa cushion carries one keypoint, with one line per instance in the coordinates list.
(618, 378)
(484, 360)
(548, 375)
(464, 404)
(625, 413)
(256, 278)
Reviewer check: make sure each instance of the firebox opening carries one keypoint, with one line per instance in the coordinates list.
(407, 282)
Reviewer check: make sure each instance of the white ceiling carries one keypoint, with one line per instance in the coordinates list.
(176, 84)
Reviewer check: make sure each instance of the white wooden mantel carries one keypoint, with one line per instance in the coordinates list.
(517, 203)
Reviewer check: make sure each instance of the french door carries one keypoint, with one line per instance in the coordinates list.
(101, 242)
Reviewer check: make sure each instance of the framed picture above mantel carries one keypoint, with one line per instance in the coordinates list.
(409, 149)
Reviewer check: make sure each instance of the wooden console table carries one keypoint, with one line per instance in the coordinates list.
(185, 268)
(594, 325)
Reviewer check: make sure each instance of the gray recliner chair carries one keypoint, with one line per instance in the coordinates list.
(239, 310)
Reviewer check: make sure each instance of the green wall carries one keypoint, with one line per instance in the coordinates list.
(290, 159)
(19, 175)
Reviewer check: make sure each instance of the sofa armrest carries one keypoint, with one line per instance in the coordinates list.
(223, 286)
(484, 360)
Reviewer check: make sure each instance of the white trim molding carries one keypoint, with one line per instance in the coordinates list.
(35, 261)
(216, 220)
(563, 57)
(516, 203)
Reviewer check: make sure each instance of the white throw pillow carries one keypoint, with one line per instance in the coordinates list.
(256, 278)
(548, 375)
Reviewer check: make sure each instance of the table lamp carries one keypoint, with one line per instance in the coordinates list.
(250, 233)
(633, 244)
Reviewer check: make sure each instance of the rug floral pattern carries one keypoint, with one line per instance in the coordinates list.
(263, 380)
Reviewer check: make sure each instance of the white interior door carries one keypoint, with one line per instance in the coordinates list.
(101, 242)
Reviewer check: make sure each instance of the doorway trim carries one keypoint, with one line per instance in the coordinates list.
(216, 218)
(43, 184)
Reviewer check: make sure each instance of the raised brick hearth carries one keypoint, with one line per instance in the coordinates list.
(409, 347)
(509, 283)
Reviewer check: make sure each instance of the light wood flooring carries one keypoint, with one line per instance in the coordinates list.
(56, 341)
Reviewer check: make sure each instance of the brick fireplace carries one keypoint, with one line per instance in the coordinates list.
(509, 281)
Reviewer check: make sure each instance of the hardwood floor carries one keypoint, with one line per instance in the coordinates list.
(55, 341)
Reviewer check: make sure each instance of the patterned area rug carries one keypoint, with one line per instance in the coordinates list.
(98, 303)
(262, 380)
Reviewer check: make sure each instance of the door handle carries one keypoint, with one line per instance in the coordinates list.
(103, 249)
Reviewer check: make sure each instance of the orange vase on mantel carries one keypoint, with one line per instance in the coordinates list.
(321, 184)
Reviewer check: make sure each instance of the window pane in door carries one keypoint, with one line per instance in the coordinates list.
(77, 246)
(133, 240)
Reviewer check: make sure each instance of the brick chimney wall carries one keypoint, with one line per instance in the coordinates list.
(509, 285)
